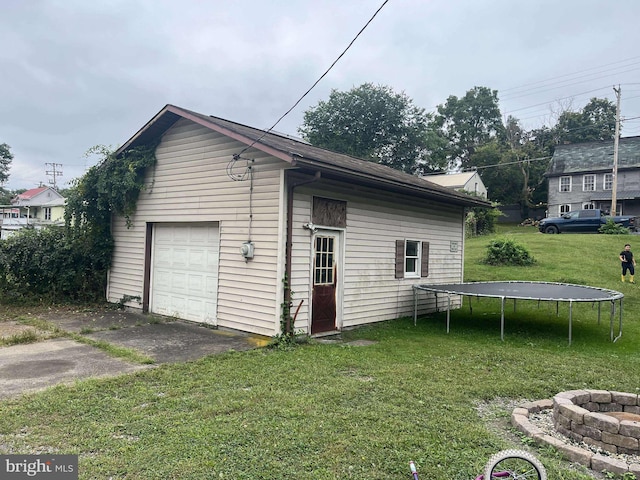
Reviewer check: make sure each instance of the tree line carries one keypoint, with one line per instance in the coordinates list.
(376, 123)
(370, 122)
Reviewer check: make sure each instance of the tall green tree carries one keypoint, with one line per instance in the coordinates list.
(468, 123)
(5, 162)
(595, 122)
(374, 123)
(513, 169)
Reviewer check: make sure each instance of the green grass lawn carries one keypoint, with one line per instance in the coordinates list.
(334, 411)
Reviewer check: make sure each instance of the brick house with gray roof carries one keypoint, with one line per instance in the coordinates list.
(581, 176)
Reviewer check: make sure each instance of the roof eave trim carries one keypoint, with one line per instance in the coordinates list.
(207, 124)
(449, 197)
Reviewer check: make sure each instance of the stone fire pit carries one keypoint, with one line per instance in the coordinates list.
(606, 421)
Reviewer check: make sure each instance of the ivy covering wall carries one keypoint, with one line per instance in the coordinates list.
(71, 263)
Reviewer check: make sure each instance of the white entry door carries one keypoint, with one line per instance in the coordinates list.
(184, 277)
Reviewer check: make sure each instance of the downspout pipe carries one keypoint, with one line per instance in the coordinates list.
(289, 244)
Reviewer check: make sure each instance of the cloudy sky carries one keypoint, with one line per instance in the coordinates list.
(78, 73)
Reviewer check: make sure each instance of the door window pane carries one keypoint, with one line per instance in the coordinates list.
(324, 261)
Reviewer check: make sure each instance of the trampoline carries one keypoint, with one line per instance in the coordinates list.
(521, 290)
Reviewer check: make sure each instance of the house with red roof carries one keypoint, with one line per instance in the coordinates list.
(36, 207)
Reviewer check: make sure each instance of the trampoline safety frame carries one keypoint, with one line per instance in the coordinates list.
(517, 290)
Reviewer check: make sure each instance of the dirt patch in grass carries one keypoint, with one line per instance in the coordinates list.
(11, 329)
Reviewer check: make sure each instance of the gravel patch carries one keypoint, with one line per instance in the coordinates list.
(544, 421)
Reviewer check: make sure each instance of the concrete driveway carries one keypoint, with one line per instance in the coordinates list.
(35, 366)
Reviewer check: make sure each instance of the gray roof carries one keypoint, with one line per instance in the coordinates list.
(306, 157)
(594, 157)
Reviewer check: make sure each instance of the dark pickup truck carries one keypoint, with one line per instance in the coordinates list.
(583, 221)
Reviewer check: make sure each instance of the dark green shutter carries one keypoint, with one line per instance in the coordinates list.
(399, 258)
(424, 265)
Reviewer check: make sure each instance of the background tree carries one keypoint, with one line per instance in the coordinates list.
(374, 123)
(468, 123)
(513, 168)
(5, 162)
(595, 122)
(6, 196)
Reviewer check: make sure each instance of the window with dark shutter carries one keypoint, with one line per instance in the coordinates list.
(412, 259)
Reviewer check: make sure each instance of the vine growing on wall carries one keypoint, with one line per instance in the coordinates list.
(110, 187)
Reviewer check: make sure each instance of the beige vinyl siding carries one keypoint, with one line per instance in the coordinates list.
(190, 184)
(301, 262)
(126, 274)
(370, 291)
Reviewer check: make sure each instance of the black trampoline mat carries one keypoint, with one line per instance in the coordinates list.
(562, 292)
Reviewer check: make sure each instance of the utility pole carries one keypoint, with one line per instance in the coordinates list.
(54, 172)
(614, 186)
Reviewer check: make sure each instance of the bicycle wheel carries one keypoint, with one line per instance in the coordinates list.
(515, 465)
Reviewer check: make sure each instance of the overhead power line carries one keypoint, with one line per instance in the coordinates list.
(572, 74)
(317, 81)
(566, 82)
(542, 89)
(562, 98)
(513, 163)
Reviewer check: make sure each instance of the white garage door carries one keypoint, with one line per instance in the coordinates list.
(184, 281)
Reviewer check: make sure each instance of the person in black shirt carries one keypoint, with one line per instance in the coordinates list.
(628, 263)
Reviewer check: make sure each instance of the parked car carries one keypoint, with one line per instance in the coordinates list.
(583, 221)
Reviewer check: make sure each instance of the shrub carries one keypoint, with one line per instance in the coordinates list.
(507, 252)
(49, 264)
(612, 228)
(481, 220)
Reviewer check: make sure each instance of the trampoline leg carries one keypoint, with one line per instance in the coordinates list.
(436, 294)
(448, 310)
(415, 307)
(599, 305)
(611, 317)
(557, 309)
(470, 306)
(619, 325)
(502, 318)
(570, 319)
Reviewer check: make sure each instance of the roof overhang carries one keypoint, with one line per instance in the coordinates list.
(624, 195)
(333, 172)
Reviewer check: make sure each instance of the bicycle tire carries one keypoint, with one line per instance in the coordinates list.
(516, 465)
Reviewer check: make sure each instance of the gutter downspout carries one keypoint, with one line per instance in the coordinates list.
(289, 245)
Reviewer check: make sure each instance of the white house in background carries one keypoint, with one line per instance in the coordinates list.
(37, 207)
(467, 181)
(230, 213)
